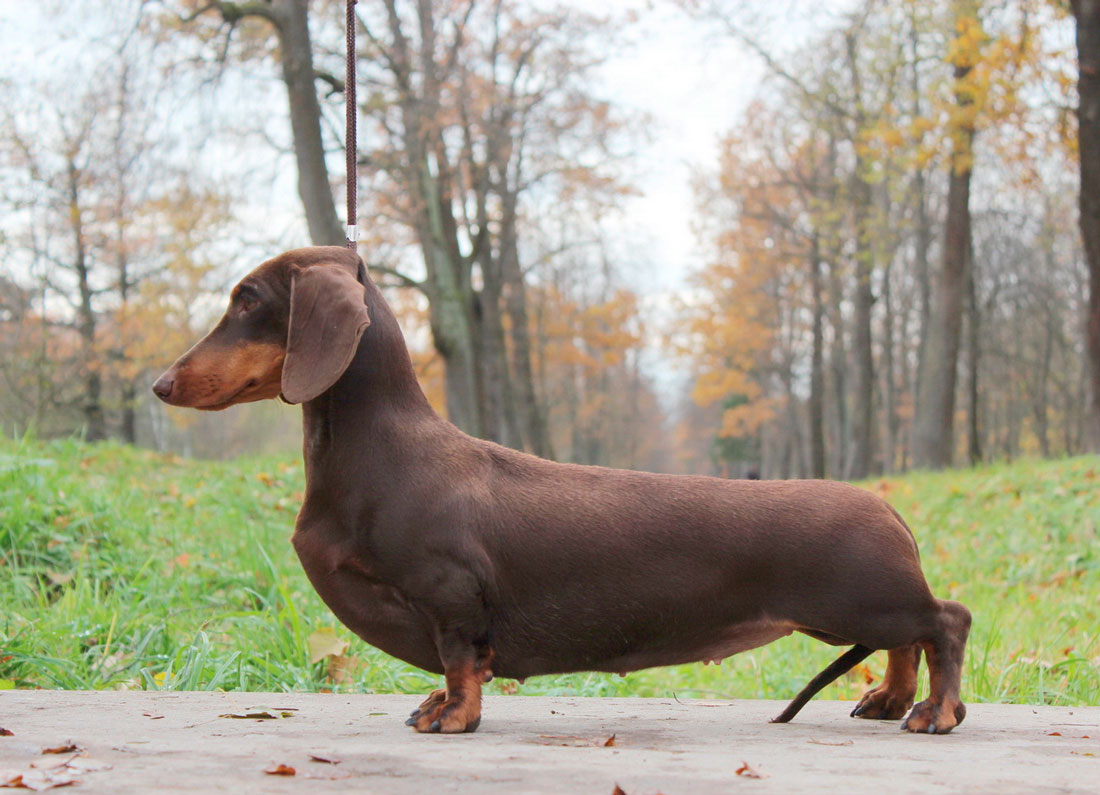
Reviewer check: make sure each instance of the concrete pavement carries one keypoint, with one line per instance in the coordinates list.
(135, 742)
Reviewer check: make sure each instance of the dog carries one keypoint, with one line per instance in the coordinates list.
(470, 560)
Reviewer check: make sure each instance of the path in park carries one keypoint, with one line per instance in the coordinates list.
(158, 742)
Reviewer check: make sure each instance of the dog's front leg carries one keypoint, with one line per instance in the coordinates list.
(466, 657)
(458, 707)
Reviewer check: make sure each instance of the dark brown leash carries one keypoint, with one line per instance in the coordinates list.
(352, 231)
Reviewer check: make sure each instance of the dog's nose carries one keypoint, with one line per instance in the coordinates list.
(163, 387)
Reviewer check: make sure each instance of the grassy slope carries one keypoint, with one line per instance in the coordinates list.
(123, 568)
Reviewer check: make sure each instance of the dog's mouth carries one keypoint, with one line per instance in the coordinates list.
(250, 391)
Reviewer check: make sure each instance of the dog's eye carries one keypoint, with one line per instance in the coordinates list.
(247, 300)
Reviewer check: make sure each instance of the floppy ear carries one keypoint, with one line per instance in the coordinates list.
(327, 318)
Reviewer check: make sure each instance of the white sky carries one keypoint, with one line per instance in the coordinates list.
(693, 84)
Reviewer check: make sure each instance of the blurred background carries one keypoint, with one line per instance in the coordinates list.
(784, 239)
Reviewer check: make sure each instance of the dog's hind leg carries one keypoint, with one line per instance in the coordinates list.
(943, 710)
(891, 699)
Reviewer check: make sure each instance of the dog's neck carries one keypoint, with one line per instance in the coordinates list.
(369, 417)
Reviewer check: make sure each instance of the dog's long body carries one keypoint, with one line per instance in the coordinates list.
(469, 559)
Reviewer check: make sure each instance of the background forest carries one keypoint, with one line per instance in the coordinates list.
(888, 269)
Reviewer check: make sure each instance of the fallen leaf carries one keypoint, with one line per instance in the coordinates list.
(573, 741)
(281, 770)
(824, 742)
(324, 756)
(42, 779)
(1054, 734)
(10, 778)
(326, 643)
(151, 716)
(342, 669)
(5, 733)
(62, 749)
(748, 771)
(262, 713)
(618, 790)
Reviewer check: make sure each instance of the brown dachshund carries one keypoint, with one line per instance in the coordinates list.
(471, 560)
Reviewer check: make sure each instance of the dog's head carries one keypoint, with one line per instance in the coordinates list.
(291, 329)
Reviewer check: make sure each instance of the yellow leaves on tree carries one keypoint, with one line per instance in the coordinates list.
(730, 323)
(726, 336)
(587, 363)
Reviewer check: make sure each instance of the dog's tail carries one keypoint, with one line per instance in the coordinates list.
(842, 664)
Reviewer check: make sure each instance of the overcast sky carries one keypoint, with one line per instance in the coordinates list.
(693, 84)
(690, 81)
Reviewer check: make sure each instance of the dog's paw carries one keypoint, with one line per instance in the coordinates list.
(881, 704)
(935, 717)
(438, 714)
(434, 699)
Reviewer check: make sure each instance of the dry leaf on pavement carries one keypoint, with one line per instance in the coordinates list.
(748, 771)
(67, 748)
(261, 713)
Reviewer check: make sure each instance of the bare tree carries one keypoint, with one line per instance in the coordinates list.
(289, 20)
(1087, 13)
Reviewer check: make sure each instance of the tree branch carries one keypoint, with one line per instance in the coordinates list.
(406, 281)
(335, 84)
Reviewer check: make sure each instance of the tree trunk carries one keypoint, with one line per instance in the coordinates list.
(933, 427)
(889, 389)
(1087, 13)
(863, 386)
(95, 426)
(974, 441)
(858, 465)
(532, 417)
(292, 22)
(498, 416)
(839, 365)
(923, 239)
(817, 369)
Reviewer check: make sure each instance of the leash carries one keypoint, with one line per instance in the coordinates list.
(352, 230)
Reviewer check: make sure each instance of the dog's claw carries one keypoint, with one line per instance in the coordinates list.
(436, 727)
(411, 721)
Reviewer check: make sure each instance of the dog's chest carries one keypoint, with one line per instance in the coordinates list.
(374, 610)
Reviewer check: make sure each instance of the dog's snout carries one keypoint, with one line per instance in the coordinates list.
(163, 386)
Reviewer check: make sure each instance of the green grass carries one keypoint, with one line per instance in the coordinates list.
(122, 568)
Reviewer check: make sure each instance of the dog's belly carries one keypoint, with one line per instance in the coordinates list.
(674, 647)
